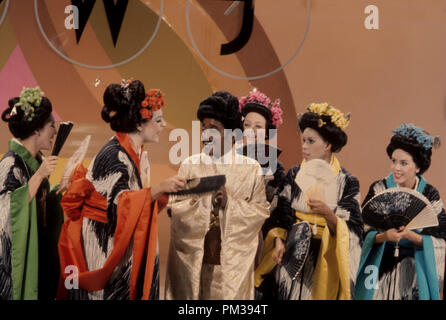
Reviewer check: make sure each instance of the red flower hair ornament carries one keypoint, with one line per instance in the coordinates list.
(153, 101)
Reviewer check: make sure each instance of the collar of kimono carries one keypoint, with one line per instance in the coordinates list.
(22, 152)
(390, 182)
(124, 140)
(335, 165)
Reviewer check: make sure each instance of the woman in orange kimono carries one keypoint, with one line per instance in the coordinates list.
(109, 244)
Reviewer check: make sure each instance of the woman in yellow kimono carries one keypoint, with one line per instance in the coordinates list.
(331, 255)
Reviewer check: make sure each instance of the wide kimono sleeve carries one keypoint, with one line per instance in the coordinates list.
(283, 216)
(349, 208)
(131, 215)
(375, 188)
(189, 224)
(245, 213)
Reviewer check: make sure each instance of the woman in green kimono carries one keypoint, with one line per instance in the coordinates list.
(28, 230)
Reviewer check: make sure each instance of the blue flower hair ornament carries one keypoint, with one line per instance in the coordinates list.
(425, 140)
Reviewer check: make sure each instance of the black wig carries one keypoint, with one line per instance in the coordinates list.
(263, 111)
(221, 106)
(420, 156)
(19, 124)
(122, 106)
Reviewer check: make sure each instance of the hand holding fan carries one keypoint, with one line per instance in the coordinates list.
(77, 157)
(198, 186)
(62, 135)
(317, 181)
(398, 207)
(202, 185)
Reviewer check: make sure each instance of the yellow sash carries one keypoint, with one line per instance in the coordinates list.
(312, 218)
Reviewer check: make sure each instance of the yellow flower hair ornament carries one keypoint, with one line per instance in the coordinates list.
(325, 109)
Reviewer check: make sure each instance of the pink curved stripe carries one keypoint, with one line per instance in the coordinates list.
(15, 75)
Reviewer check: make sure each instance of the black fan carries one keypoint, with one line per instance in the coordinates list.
(62, 135)
(297, 248)
(201, 185)
(397, 207)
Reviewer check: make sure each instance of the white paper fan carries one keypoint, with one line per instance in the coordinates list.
(425, 218)
(317, 181)
(145, 169)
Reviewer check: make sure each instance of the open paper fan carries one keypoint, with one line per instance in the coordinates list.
(317, 181)
(62, 135)
(297, 248)
(398, 207)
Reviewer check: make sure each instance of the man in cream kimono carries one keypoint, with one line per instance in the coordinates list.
(243, 210)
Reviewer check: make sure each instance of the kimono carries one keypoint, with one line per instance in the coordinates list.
(29, 265)
(188, 277)
(330, 264)
(273, 179)
(417, 272)
(111, 234)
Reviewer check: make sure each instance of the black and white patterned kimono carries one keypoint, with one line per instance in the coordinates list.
(29, 265)
(398, 277)
(274, 174)
(338, 266)
(114, 176)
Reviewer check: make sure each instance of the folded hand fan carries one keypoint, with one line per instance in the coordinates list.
(62, 135)
(398, 207)
(145, 170)
(317, 181)
(297, 248)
